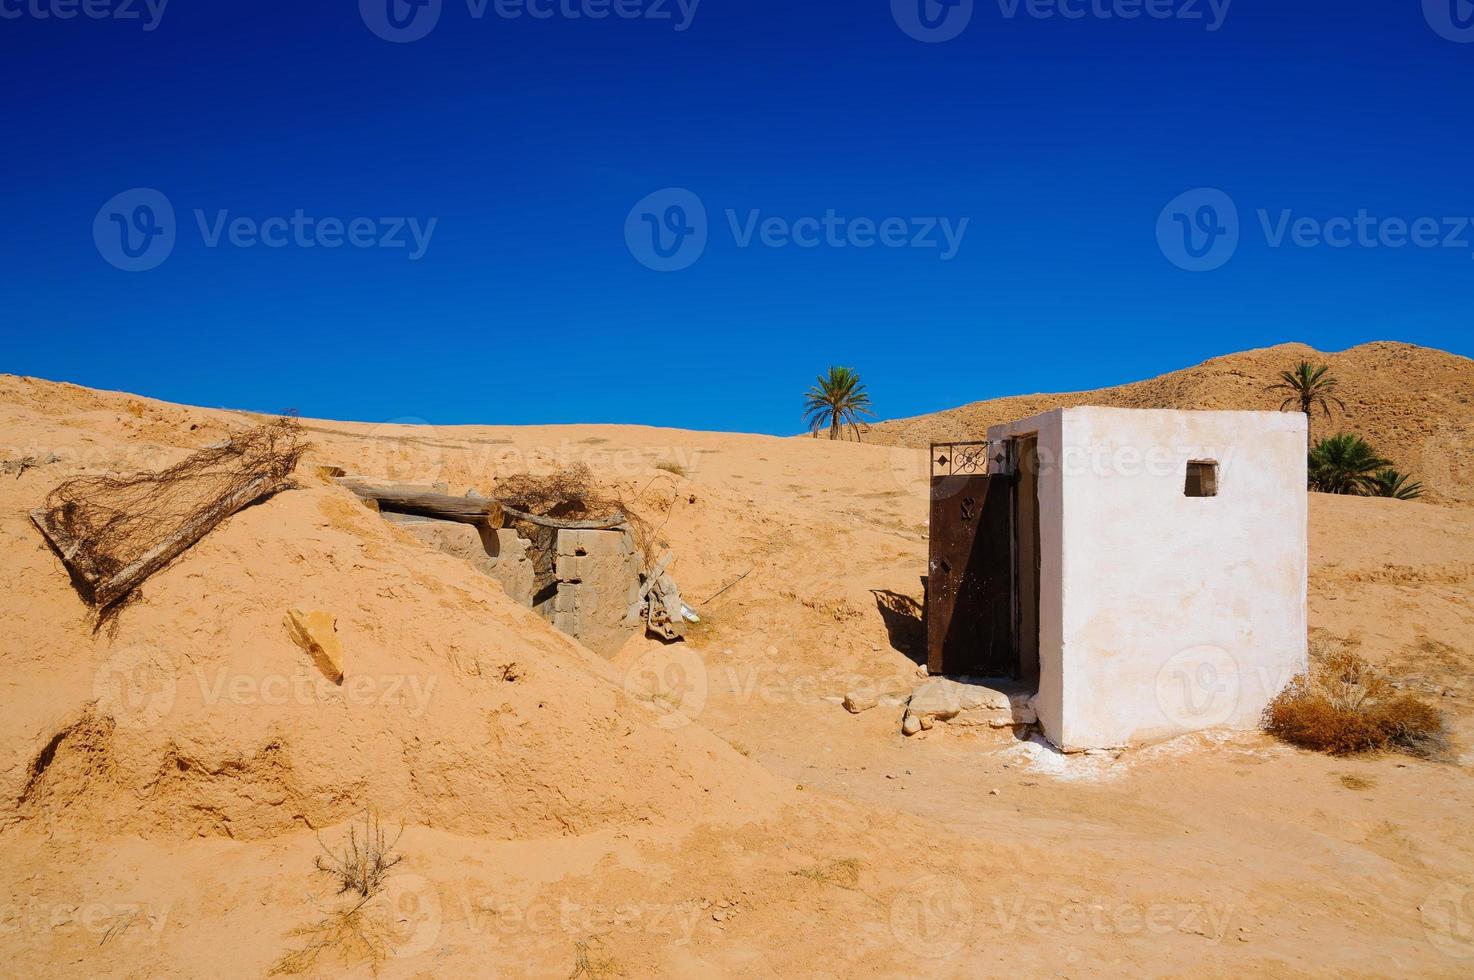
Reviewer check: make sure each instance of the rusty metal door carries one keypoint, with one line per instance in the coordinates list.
(969, 593)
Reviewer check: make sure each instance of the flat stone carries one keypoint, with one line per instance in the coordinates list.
(856, 703)
(943, 697)
(316, 632)
(967, 701)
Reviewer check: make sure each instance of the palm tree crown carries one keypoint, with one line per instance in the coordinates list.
(1307, 386)
(837, 399)
(1345, 463)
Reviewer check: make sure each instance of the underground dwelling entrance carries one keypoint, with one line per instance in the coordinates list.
(587, 576)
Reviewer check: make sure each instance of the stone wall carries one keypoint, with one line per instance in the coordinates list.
(598, 578)
(499, 553)
(595, 574)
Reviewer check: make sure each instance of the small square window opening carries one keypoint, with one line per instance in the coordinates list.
(1202, 478)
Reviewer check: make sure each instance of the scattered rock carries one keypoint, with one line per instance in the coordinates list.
(317, 633)
(993, 792)
(19, 466)
(856, 703)
(910, 724)
(968, 702)
(926, 723)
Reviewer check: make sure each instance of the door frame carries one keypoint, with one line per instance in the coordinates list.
(1022, 650)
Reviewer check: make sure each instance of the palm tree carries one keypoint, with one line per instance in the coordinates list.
(1390, 483)
(837, 399)
(1345, 463)
(1308, 386)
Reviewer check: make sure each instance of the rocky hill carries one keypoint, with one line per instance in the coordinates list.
(1416, 405)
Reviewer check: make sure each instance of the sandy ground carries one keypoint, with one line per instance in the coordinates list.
(704, 809)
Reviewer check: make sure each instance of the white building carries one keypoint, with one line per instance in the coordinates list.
(1159, 567)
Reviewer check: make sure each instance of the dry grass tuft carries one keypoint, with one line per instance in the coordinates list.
(592, 962)
(1343, 706)
(842, 874)
(363, 866)
(671, 467)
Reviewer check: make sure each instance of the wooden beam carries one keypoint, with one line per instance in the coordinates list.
(426, 503)
(611, 523)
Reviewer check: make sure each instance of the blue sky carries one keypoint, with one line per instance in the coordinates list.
(1059, 130)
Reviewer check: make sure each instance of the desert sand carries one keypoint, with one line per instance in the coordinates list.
(699, 809)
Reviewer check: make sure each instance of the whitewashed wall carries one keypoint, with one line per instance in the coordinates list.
(1162, 613)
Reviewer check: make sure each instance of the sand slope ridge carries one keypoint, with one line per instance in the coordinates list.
(1415, 404)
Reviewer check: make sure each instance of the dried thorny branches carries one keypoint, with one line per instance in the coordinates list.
(574, 494)
(112, 531)
(363, 866)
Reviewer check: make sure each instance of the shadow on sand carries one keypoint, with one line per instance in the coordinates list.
(904, 624)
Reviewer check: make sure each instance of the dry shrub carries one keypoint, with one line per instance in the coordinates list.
(346, 937)
(363, 866)
(569, 493)
(591, 961)
(1344, 706)
(670, 467)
